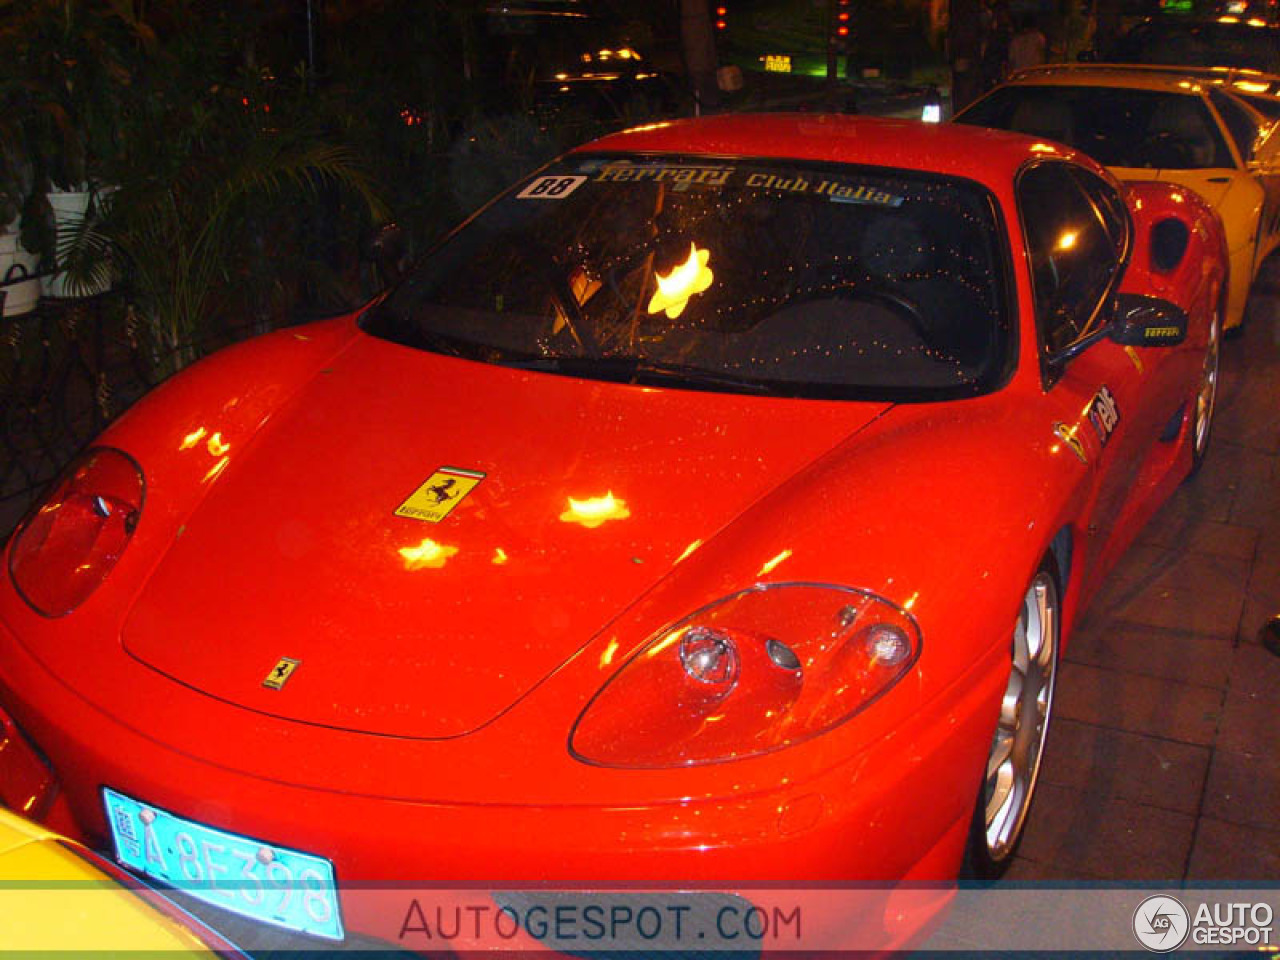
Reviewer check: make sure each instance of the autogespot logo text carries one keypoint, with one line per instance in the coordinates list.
(1161, 923)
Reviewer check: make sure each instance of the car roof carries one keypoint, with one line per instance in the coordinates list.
(987, 156)
(1242, 81)
(1212, 74)
(1162, 78)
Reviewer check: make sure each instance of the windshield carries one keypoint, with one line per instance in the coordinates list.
(753, 277)
(1117, 126)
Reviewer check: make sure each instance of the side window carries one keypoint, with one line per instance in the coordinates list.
(1182, 133)
(1241, 124)
(1111, 208)
(1074, 258)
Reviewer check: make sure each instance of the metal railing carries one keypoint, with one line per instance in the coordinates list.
(67, 369)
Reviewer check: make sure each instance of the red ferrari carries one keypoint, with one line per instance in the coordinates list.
(709, 509)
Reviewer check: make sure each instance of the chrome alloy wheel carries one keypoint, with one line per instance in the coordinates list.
(1014, 761)
(1208, 391)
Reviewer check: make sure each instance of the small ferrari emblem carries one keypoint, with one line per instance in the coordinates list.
(281, 672)
(442, 491)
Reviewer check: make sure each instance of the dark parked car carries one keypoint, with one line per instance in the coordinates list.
(1226, 41)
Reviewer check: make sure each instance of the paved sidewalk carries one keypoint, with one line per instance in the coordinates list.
(1164, 758)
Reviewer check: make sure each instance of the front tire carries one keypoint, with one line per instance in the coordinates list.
(1013, 762)
(1206, 397)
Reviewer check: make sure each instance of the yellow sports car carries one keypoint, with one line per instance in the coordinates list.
(1259, 90)
(57, 896)
(1150, 125)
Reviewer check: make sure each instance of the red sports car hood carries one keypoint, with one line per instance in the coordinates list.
(316, 542)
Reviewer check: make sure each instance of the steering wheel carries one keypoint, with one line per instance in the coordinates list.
(857, 286)
(1165, 149)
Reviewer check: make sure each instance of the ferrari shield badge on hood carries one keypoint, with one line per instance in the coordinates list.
(442, 491)
(281, 673)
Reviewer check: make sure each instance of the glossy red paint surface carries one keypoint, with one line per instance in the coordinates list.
(437, 659)
(424, 736)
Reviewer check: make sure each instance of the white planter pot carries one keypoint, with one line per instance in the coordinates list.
(69, 209)
(16, 262)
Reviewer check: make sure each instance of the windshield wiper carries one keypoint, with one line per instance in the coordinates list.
(681, 373)
(637, 370)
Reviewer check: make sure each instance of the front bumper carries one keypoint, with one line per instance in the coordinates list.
(27, 783)
(899, 810)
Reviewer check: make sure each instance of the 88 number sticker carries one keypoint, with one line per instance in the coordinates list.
(551, 188)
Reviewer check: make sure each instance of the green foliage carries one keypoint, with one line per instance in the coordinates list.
(62, 84)
(231, 176)
(223, 181)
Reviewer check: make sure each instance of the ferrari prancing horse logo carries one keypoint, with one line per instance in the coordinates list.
(280, 673)
(441, 492)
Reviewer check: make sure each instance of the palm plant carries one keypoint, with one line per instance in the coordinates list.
(217, 184)
(61, 82)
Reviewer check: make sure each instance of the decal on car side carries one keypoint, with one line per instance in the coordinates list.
(1104, 414)
(439, 494)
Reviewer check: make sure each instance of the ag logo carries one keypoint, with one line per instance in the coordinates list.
(1161, 923)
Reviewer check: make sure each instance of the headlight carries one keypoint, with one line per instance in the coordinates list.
(757, 671)
(64, 551)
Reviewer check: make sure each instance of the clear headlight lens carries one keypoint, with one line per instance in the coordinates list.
(66, 549)
(757, 671)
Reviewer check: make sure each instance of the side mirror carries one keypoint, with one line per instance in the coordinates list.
(1142, 321)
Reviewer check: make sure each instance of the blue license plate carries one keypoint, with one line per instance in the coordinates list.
(276, 885)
